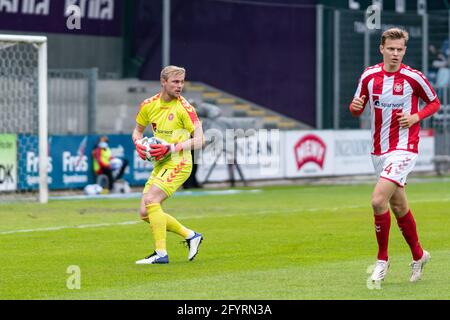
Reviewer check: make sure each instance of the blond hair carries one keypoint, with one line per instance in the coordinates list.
(171, 70)
(394, 34)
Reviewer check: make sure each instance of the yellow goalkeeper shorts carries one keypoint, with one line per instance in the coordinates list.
(169, 175)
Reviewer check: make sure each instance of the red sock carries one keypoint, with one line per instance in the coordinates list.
(382, 226)
(408, 228)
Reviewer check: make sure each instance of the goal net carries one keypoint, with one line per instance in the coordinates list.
(23, 118)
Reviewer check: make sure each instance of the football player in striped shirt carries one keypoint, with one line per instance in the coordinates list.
(175, 121)
(393, 91)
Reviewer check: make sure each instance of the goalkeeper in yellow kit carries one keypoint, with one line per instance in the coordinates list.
(175, 123)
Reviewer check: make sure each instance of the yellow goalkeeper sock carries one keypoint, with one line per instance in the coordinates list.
(157, 220)
(174, 226)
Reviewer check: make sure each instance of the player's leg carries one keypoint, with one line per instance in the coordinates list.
(407, 225)
(382, 218)
(151, 206)
(380, 205)
(406, 222)
(172, 224)
(143, 210)
(172, 177)
(150, 211)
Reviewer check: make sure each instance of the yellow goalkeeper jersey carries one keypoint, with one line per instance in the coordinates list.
(172, 121)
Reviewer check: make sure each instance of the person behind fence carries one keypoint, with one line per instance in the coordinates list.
(105, 164)
(440, 67)
(393, 91)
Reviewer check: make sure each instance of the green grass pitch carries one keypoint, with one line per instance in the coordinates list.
(293, 243)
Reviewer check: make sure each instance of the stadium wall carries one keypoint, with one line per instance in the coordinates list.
(97, 43)
(264, 53)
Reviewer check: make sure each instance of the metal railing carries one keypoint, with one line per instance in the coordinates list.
(72, 101)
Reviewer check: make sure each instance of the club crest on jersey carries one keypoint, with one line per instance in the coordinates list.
(398, 87)
(171, 117)
(310, 148)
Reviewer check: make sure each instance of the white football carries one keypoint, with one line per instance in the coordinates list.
(146, 142)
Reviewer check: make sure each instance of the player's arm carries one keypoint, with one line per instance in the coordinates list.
(192, 125)
(360, 99)
(196, 141)
(137, 135)
(138, 132)
(426, 93)
(357, 106)
(407, 121)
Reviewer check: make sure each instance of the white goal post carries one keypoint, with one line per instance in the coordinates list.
(40, 44)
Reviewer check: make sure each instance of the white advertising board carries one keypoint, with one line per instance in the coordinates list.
(343, 152)
(259, 156)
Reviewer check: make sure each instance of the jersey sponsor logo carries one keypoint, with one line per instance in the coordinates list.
(164, 131)
(392, 105)
(171, 116)
(310, 149)
(376, 100)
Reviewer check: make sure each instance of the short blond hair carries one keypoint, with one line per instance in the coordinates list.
(394, 34)
(171, 70)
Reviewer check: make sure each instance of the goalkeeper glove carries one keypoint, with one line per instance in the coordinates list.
(141, 150)
(159, 151)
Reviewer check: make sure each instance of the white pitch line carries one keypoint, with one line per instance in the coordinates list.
(260, 212)
(82, 226)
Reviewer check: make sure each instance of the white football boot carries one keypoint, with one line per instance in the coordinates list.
(154, 258)
(380, 271)
(193, 245)
(417, 266)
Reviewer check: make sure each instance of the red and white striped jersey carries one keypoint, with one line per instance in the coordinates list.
(390, 93)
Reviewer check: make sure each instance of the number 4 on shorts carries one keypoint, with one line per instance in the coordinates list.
(388, 169)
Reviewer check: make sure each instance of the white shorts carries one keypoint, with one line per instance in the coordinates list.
(394, 166)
